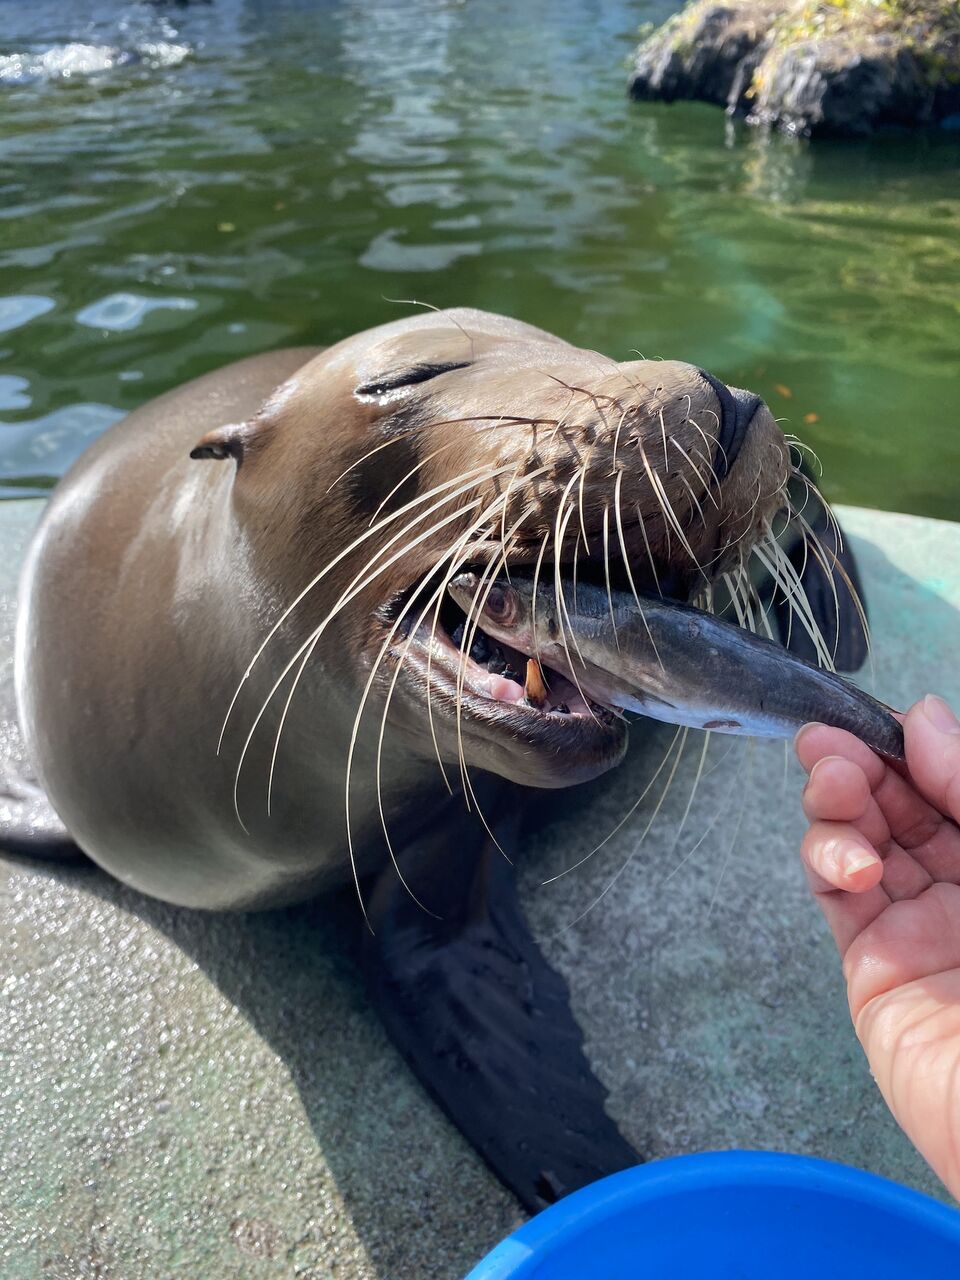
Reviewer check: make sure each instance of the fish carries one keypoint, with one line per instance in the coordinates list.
(670, 661)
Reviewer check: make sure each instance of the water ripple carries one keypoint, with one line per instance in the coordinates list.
(21, 309)
(127, 310)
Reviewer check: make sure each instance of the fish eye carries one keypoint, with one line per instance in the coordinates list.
(407, 377)
(502, 605)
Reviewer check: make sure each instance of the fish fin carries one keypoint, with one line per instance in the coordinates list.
(831, 580)
(485, 1023)
(28, 823)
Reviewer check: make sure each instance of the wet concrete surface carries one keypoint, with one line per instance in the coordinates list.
(185, 1094)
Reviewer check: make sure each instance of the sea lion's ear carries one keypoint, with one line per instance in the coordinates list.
(226, 441)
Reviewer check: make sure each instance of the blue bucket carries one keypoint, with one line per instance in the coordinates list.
(734, 1215)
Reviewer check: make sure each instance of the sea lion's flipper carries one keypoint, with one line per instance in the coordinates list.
(831, 580)
(28, 823)
(486, 1025)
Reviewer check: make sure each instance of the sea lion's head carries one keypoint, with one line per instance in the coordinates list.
(461, 439)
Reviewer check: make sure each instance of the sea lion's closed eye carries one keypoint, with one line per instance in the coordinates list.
(408, 377)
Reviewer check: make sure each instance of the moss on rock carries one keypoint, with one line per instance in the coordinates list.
(842, 67)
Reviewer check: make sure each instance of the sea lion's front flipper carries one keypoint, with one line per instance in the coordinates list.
(28, 824)
(485, 1023)
(831, 581)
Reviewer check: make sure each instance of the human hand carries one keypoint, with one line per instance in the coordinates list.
(883, 858)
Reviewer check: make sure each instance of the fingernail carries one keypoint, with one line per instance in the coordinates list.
(856, 859)
(940, 715)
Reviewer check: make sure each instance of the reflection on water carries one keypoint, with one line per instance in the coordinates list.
(127, 310)
(299, 164)
(16, 311)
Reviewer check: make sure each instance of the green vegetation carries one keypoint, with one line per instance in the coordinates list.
(929, 29)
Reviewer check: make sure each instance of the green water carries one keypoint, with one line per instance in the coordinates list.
(262, 174)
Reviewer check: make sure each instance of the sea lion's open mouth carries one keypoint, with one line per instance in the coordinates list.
(488, 684)
(499, 673)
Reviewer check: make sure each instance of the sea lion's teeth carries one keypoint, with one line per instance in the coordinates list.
(562, 708)
(534, 686)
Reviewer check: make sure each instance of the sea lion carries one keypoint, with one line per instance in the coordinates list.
(233, 630)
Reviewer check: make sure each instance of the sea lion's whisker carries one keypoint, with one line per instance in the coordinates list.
(682, 734)
(813, 545)
(667, 508)
(791, 510)
(797, 472)
(745, 791)
(626, 560)
(441, 311)
(409, 476)
(698, 775)
(663, 436)
(646, 542)
(564, 512)
(454, 557)
(575, 866)
(594, 396)
(306, 649)
(796, 443)
(344, 599)
(734, 595)
(721, 811)
(693, 498)
(616, 440)
(350, 592)
(536, 580)
(580, 501)
(776, 562)
(763, 611)
(493, 569)
(606, 572)
(832, 566)
(475, 473)
(699, 474)
(708, 436)
(740, 587)
(464, 770)
(436, 616)
(395, 439)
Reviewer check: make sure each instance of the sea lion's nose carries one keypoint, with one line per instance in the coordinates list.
(737, 411)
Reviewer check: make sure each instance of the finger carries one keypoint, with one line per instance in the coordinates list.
(846, 859)
(847, 913)
(916, 826)
(838, 790)
(839, 855)
(932, 736)
(816, 741)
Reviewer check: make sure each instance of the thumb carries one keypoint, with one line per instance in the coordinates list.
(932, 736)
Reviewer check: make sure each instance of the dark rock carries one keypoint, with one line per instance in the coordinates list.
(816, 70)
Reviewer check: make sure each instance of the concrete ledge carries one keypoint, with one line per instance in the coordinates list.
(205, 1096)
